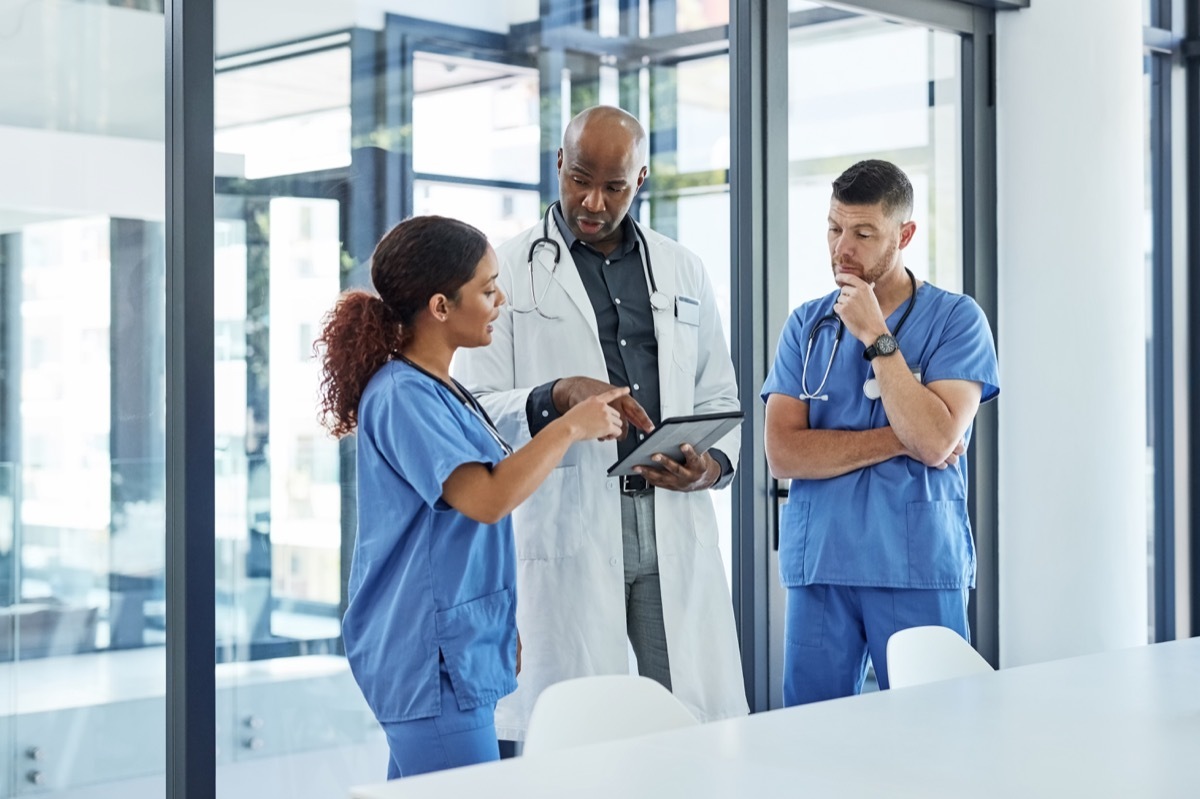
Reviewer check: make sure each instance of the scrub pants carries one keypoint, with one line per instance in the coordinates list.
(643, 593)
(830, 629)
(455, 738)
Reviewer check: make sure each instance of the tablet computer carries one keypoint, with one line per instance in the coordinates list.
(701, 431)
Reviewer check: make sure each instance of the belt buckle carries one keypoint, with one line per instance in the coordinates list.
(634, 484)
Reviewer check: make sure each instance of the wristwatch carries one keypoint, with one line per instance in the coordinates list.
(884, 345)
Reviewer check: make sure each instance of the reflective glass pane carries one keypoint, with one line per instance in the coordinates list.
(895, 95)
(82, 404)
(289, 716)
(330, 128)
(500, 213)
(475, 119)
(691, 15)
(896, 98)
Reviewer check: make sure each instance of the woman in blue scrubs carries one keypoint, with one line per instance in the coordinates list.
(430, 630)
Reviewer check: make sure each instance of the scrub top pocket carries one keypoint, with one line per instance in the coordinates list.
(941, 553)
(793, 540)
(478, 643)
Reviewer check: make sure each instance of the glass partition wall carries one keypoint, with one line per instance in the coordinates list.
(82, 363)
(332, 123)
(897, 95)
(324, 141)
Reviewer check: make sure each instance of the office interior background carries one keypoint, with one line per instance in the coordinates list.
(185, 187)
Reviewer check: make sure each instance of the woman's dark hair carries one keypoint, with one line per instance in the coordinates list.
(418, 258)
(874, 181)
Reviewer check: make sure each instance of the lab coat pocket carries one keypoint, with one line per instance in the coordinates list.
(478, 640)
(941, 553)
(704, 519)
(684, 347)
(793, 538)
(549, 525)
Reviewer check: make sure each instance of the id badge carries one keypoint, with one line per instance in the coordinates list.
(687, 310)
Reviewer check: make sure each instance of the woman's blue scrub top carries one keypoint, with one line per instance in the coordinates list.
(425, 579)
(898, 524)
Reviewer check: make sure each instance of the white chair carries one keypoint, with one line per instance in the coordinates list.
(607, 707)
(928, 654)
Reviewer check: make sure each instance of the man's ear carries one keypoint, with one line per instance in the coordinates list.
(907, 230)
(560, 159)
(641, 178)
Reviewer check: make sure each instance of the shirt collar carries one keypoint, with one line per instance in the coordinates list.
(628, 234)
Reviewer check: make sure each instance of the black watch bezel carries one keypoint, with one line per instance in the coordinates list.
(884, 345)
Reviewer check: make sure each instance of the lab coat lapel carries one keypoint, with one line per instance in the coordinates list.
(663, 261)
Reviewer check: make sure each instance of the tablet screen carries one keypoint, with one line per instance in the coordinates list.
(701, 431)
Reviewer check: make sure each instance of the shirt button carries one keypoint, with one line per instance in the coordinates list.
(636, 386)
(642, 436)
(617, 300)
(612, 561)
(622, 342)
(607, 262)
(545, 414)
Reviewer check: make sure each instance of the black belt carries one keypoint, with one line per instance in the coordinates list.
(633, 485)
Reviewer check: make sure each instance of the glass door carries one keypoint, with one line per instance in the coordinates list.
(895, 94)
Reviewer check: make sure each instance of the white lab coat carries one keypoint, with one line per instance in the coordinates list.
(570, 573)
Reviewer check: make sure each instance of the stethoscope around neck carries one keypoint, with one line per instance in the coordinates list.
(871, 387)
(658, 300)
(460, 392)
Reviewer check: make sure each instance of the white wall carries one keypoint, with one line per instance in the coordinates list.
(1072, 321)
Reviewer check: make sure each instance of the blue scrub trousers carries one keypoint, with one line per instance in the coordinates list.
(455, 738)
(829, 630)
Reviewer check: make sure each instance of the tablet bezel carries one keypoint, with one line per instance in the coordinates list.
(669, 437)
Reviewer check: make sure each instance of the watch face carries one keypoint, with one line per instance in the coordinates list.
(885, 345)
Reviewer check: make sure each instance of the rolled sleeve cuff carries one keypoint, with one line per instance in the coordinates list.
(539, 408)
(726, 468)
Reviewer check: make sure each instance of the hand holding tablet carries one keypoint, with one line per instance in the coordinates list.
(700, 431)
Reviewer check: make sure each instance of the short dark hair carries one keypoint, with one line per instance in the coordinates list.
(875, 181)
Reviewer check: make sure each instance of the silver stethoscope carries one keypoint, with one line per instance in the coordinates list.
(658, 300)
(871, 387)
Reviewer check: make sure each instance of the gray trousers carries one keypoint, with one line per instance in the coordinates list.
(643, 595)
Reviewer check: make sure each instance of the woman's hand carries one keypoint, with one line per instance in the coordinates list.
(594, 417)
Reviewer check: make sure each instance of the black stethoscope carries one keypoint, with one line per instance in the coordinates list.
(466, 398)
(658, 300)
(871, 387)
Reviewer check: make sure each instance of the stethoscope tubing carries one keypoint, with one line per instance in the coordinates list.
(840, 326)
(658, 300)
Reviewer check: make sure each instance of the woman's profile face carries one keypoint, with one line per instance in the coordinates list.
(470, 319)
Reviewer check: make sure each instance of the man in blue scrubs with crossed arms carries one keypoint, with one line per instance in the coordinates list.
(870, 423)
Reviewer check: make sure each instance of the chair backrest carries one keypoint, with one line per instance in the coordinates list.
(607, 707)
(928, 654)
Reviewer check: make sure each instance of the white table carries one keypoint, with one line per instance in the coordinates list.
(1119, 724)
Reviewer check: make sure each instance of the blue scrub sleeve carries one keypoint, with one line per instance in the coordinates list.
(966, 350)
(425, 437)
